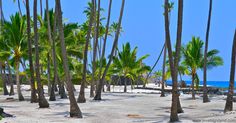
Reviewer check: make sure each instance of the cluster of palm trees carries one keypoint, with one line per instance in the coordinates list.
(53, 52)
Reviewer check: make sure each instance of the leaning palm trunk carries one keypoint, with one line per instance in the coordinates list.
(101, 81)
(229, 100)
(74, 108)
(205, 96)
(20, 96)
(42, 100)
(32, 82)
(163, 73)
(105, 39)
(81, 98)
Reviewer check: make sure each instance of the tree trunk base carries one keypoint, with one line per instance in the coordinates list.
(81, 99)
(162, 94)
(97, 97)
(21, 98)
(43, 103)
(205, 99)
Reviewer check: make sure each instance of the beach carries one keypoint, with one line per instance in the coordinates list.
(139, 105)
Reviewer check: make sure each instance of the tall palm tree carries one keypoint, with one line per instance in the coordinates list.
(205, 96)
(52, 91)
(81, 98)
(105, 38)
(42, 100)
(193, 58)
(74, 108)
(14, 32)
(170, 8)
(33, 90)
(229, 100)
(174, 61)
(101, 81)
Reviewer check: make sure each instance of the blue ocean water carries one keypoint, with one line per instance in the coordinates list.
(218, 84)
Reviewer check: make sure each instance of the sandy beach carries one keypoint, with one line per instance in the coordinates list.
(140, 106)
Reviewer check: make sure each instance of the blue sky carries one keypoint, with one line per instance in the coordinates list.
(143, 26)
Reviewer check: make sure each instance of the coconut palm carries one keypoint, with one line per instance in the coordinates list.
(193, 58)
(74, 108)
(42, 100)
(81, 97)
(229, 100)
(205, 96)
(15, 31)
(126, 63)
(33, 90)
(101, 81)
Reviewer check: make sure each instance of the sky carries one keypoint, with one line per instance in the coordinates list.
(143, 25)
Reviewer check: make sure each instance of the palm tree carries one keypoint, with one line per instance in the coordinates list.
(126, 63)
(101, 81)
(14, 32)
(170, 8)
(33, 90)
(163, 73)
(105, 38)
(229, 100)
(74, 108)
(205, 96)
(193, 58)
(52, 93)
(81, 98)
(42, 100)
(174, 62)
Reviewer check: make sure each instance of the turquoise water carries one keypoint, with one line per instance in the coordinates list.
(218, 84)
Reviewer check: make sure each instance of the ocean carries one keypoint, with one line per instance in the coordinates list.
(218, 84)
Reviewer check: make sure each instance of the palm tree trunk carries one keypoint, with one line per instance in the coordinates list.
(101, 81)
(41, 8)
(205, 96)
(5, 82)
(145, 82)
(20, 96)
(193, 92)
(81, 98)
(19, 8)
(163, 73)
(174, 62)
(42, 100)
(95, 45)
(1, 12)
(51, 91)
(33, 90)
(24, 68)
(125, 84)
(74, 108)
(49, 76)
(105, 39)
(10, 79)
(3, 75)
(229, 100)
(91, 19)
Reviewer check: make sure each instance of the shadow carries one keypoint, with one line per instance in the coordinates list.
(60, 104)
(218, 110)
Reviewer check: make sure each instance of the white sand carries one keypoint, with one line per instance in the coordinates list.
(144, 105)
